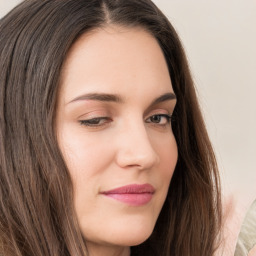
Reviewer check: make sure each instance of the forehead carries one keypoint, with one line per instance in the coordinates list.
(115, 59)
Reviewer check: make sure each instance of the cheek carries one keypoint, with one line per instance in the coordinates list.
(168, 153)
(84, 155)
(86, 158)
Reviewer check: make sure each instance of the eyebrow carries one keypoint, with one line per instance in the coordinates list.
(105, 97)
(99, 97)
(164, 97)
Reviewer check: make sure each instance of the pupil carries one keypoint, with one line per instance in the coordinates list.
(156, 119)
(95, 121)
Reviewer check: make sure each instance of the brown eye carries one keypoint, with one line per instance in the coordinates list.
(155, 119)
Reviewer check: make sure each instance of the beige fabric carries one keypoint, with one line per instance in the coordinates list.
(247, 236)
(252, 251)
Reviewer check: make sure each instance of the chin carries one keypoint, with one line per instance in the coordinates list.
(121, 233)
(131, 234)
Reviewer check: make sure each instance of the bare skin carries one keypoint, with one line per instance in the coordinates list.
(114, 130)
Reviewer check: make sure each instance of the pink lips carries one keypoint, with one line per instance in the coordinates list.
(135, 195)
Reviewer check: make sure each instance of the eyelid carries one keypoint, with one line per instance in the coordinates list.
(164, 112)
(102, 112)
(95, 121)
(100, 118)
(160, 111)
(167, 116)
(90, 119)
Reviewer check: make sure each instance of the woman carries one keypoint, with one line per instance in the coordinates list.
(96, 158)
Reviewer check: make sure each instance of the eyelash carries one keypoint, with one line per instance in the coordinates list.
(95, 122)
(168, 119)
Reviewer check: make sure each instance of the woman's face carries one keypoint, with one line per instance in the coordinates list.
(114, 130)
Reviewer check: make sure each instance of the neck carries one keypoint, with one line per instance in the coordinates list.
(98, 250)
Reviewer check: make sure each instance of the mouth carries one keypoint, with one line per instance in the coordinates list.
(134, 194)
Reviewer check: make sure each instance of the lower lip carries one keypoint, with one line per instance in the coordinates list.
(132, 199)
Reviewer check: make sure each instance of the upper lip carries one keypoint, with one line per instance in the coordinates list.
(131, 189)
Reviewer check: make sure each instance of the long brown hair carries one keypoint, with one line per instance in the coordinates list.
(36, 201)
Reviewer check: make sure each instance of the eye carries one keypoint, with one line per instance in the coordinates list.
(95, 122)
(161, 119)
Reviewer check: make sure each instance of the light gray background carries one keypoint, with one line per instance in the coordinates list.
(220, 41)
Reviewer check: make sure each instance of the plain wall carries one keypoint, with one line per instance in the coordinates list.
(220, 41)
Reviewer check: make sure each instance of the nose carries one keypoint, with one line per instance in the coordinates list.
(135, 148)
